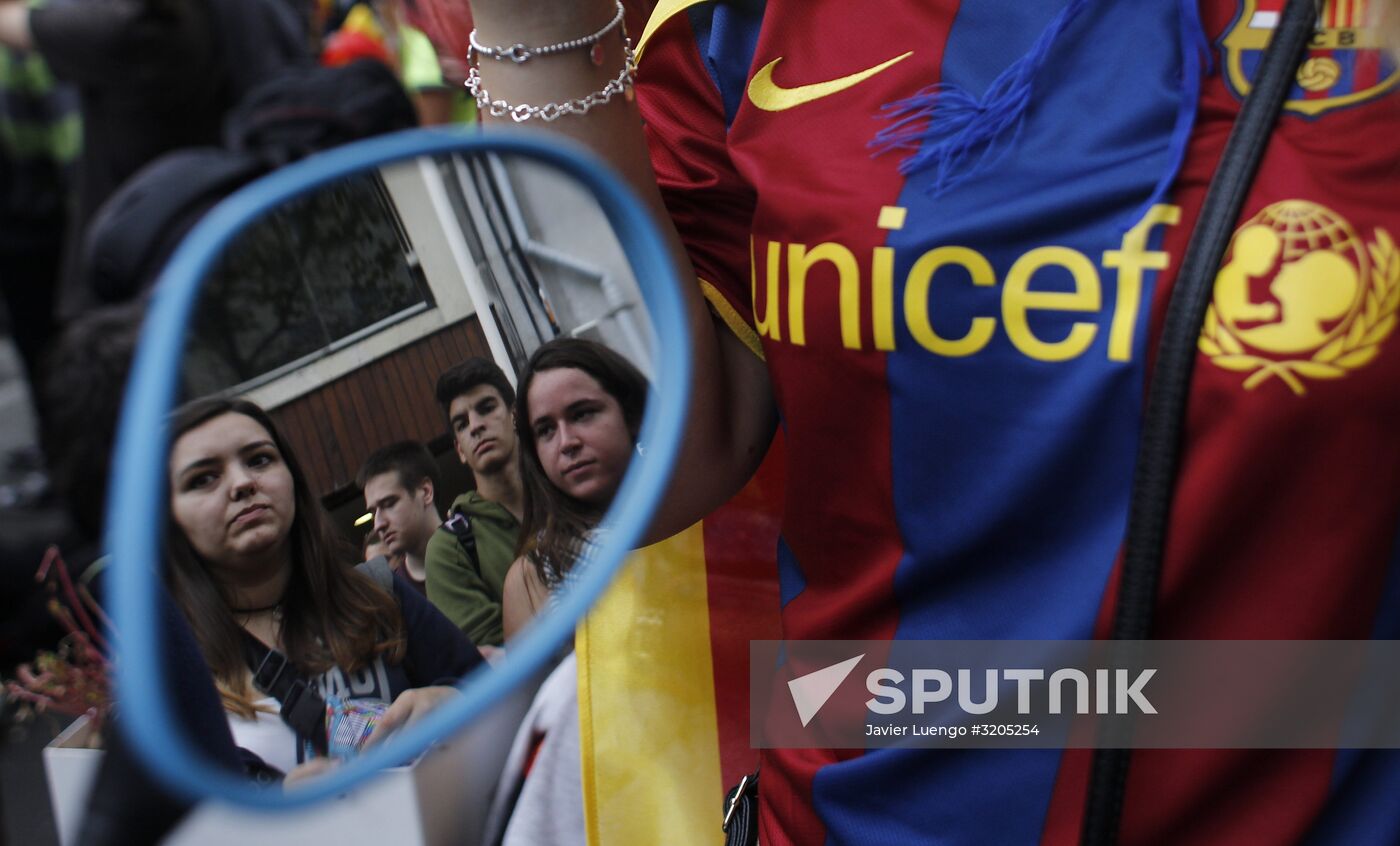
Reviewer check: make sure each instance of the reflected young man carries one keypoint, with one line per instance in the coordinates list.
(400, 485)
(467, 560)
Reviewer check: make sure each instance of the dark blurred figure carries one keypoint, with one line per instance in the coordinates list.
(85, 378)
(148, 76)
(39, 142)
(153, 76)
(81, 395)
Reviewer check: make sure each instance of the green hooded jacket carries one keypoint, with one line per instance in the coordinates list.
(469, 592)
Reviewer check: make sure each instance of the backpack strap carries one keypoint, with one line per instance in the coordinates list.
(460, 526)
(303, 709)
(740, 825)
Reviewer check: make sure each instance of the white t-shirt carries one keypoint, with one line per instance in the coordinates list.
(266, 736)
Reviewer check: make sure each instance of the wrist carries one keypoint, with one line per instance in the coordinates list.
(531, 78)
(535, 22)
(520, 52)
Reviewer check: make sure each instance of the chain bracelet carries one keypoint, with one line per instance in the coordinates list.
(519, 53)
(548, 112)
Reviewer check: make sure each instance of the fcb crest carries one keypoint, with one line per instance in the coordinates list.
(1346, 63)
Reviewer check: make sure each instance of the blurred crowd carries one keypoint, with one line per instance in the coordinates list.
(121, 123)
(107, 111)
(1010, 483)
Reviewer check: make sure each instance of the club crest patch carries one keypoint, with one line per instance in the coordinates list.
(1346, 63)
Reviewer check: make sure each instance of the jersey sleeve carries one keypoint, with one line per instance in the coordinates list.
(709, 201)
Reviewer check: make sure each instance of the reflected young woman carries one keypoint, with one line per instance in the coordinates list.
(579, 413)
(255, 564)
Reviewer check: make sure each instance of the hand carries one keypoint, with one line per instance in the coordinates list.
(492, 654)
(408, 707)
(308, 771)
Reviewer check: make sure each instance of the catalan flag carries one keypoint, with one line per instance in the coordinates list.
(663, 673)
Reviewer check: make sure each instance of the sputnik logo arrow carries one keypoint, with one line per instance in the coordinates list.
(810, 692)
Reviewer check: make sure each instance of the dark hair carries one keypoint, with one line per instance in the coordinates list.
(461, 378)
(554, 523)
(331, 615)
(410, 459)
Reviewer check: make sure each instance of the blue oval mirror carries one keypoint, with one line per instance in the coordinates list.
(408, 172)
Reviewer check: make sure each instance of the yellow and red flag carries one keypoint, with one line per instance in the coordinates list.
(663, 673)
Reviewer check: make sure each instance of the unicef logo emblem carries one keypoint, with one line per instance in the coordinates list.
(1301, 296)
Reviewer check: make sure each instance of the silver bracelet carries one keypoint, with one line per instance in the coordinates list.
(519, 53)
(521, 112)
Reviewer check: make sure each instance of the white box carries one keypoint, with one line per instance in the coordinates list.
(442, 798)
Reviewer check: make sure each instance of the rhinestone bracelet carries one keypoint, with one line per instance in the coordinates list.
(521, 112)
(519, 53)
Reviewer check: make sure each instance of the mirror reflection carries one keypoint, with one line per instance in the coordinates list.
(409, 398)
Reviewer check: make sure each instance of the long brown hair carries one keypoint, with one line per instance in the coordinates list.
(554, 523)
(331, 615)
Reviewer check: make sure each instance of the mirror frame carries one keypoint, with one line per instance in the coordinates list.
(137, 495)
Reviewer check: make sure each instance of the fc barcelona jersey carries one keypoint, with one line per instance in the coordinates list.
(960, 346)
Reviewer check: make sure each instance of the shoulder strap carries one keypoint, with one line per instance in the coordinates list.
(740, 826)
(1154, 478)
(303, 709)
(460, 525)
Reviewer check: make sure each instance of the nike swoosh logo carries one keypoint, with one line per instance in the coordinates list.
(772, 97)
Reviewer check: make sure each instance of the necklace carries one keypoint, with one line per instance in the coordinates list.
(250, 611)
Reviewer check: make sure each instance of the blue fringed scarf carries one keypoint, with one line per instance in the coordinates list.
(954, 135)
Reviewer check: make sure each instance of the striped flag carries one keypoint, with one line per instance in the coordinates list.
(663, 673)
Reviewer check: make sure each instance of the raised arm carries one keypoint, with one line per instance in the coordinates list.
(732, 415)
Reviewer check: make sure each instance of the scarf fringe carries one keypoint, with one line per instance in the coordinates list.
(955, 134)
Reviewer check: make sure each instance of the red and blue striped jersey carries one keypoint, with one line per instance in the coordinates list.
(960, 366)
